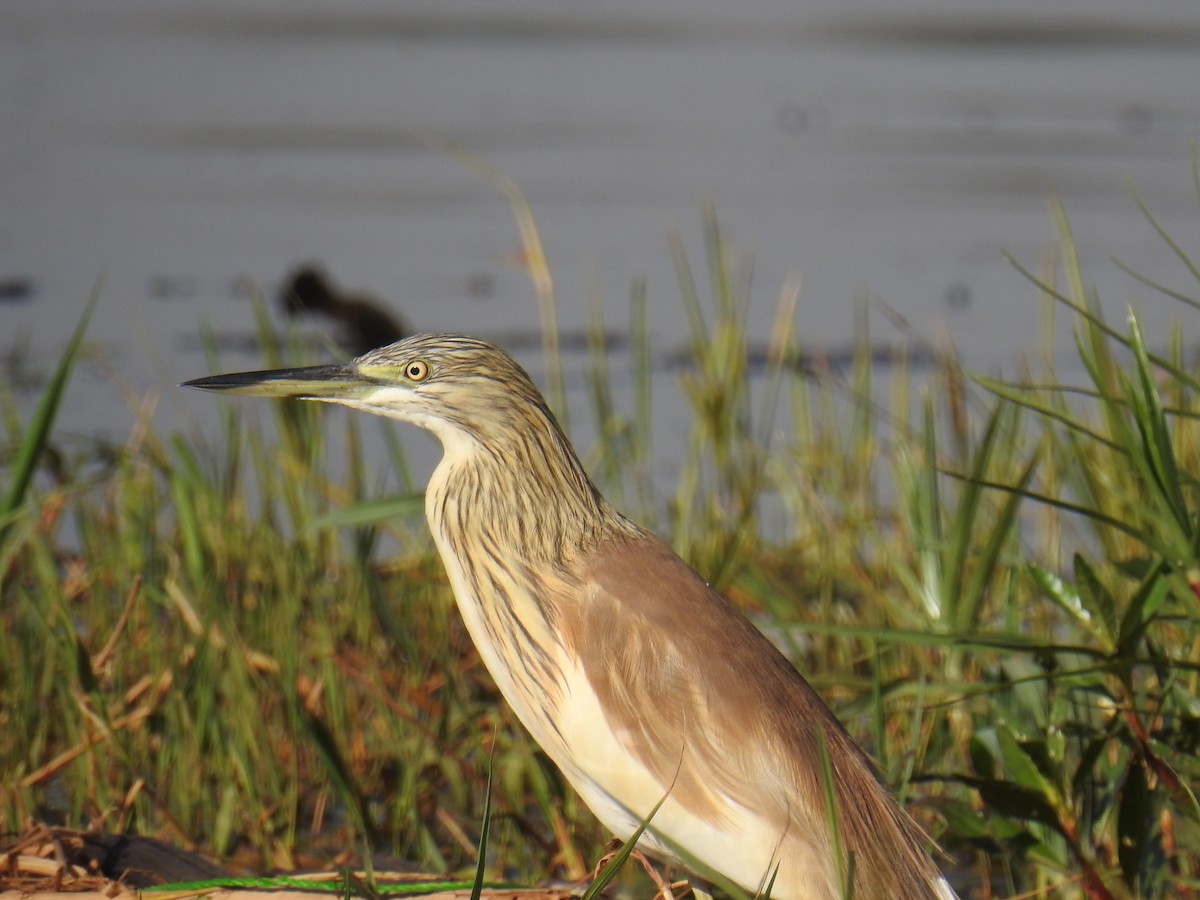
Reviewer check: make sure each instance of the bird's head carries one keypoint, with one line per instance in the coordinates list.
(462, 389)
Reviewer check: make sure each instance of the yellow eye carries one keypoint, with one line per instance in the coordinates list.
(417, 370)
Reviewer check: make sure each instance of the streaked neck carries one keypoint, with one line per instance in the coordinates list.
(522, 492)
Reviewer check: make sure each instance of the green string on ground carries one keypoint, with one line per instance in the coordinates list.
(335, 885)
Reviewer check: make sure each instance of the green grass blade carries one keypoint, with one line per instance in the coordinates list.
(370, 512)
(614, 865)
(484, 830)
(1182, 255)
(37, 434)
(845, 864)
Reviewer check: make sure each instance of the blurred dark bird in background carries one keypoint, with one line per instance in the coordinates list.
(360, 320)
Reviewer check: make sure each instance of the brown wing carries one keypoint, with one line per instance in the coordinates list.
(730, 715)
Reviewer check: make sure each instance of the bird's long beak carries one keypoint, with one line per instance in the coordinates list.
(339, 382)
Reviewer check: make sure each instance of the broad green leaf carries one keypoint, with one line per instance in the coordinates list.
(1010, 799)
(1025, 770)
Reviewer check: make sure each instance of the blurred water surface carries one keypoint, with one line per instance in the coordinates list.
(184, 151)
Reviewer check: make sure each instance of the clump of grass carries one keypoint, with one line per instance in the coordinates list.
(206, 642)
(1089, 762)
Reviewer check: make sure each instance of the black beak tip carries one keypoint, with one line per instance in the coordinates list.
(215, 382)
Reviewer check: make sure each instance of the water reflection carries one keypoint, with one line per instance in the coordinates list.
(186, 152)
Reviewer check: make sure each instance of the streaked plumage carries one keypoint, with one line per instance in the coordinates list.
(635, 677)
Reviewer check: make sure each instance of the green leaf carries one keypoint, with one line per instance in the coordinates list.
(963, 820)
(1137, 824)
(335, 766)
(481, 860)
(1143, 606)
(1028, 772)
(1096, 599)
(982, 760)
(1064, 594)
(368, 512)
(1093, 750)
(1000, 530)
(614, 865)
(846, 874)
(1155, 455)
(38, 433)
(1014, 801)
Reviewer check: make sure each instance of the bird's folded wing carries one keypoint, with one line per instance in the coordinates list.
(695, 693)
(693, 690)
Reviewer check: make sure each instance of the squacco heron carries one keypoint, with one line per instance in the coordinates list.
(641, 682)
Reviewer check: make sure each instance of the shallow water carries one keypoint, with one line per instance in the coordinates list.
(183, 151)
